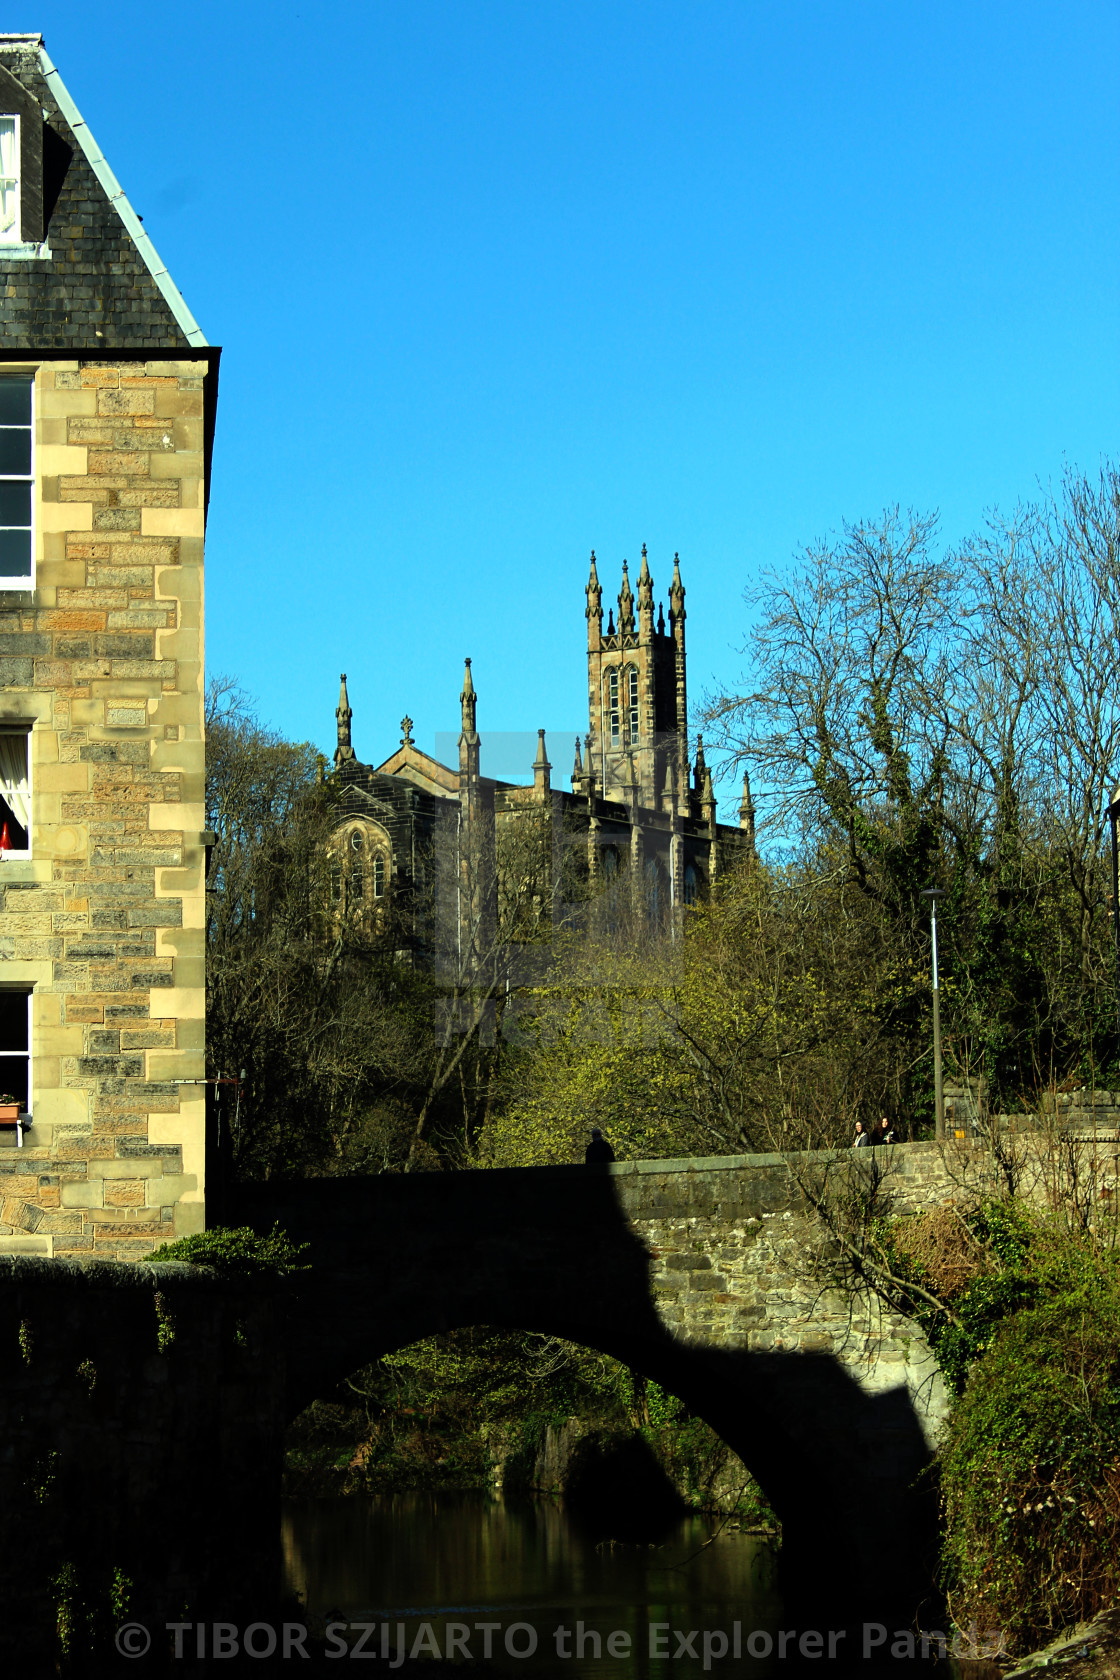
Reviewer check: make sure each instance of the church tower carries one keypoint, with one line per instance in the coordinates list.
(637, 696)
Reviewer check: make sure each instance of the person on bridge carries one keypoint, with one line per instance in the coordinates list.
(861, 1136)
(598, 1149)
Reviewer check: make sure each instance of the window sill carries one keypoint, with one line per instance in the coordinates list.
(21, 867)
(24, 584)
(26, 253)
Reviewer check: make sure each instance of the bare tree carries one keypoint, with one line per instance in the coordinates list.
(955, 720)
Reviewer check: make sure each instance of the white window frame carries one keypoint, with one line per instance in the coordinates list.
(632, 703)
(27, 582)
(20, 727)
(14, 235)
(27, 992)
(379, 876)
(614, 716)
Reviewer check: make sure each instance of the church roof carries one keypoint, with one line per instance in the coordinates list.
(422, 768)
(427, 772)
(84, 276)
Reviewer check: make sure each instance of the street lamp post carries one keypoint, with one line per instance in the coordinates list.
(1113, 815)
(933, 894)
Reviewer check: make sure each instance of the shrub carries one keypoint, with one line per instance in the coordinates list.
(239, 1252)
(1030, 1471)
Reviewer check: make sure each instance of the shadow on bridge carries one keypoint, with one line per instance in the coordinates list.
(399, 1258)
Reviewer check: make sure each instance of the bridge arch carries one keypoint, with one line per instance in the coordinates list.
(691, 1272)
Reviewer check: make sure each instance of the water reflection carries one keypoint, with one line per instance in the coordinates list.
(443, 1562)
(462, 1558)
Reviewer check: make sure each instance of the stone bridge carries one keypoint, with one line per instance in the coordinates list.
(693, 1272)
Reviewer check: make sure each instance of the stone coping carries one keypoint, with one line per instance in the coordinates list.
(276, 1189)
(122, 1274)
(743, 1163)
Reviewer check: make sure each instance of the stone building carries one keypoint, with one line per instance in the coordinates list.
(107, 396)
(638, 809)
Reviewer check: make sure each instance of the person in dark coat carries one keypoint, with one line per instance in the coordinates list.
(598, 1149)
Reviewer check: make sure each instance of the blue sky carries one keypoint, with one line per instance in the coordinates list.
(500, 283)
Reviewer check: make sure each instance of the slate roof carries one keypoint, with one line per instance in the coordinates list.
(95, 282)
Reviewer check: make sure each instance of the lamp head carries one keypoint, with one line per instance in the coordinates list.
(933, 894)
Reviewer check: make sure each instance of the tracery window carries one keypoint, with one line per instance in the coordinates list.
(359, 869)
(633, 697)
(691, 887)
(614, 714)
(656, 893)
(357, 874)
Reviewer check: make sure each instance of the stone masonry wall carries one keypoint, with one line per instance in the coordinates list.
(142, 1433)
(729, 1265)
(105, 919)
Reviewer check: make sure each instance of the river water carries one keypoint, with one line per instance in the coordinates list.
(428, 1570)
(460, 1559)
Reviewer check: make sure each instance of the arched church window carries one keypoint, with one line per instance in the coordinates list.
(614, 715)
(336, 882)
(610, 863)
(357, 884)
(691, 886)
(655, 885)
(378, 877)
(357, 840)
(633, 699)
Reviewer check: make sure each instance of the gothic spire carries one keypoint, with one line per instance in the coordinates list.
(701, 764)
(344, 751)
(645, 586)
(625, 604)
(594, 593)
(746, 806)
(468, 700)
(707, 798)
(542, 780)
(676, 593)
(577, 767)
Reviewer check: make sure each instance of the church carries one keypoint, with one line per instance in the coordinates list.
(416, 834)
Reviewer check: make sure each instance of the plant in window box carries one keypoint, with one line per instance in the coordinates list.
(10, 1108)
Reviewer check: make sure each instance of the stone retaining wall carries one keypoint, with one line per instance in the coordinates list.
(143, 1419)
